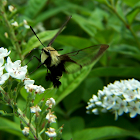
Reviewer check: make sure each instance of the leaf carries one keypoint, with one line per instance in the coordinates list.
(72, 125)
(34, 7)
(10, 127)
(127, 50)
(49, 13)
(107, 132)
(132, 14)
(131, 2)
(85, 24)
(92, 85)
(34, 42)
(132, 72)
(73, 41)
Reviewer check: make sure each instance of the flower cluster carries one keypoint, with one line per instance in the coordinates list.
(15, 70)
(120, 97)
(50, 116)
(3, 54)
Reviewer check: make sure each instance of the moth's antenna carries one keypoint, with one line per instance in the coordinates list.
(37, 36)
(59, 31)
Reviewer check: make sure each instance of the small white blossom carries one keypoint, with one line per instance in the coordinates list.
(90, 106)
(6, 34)
(15, 70)
(11, 8)
(51, 132)
(40, 89)
(15, 24)
(39, 27)
(95, 111)
(4, 52)
(50, 117)
(50, 102)
(30, 88)
(3, 77)
(28, 81)
(35, 109)
(25, 131)
(37, 89)
(134, 108)
(26, 24)
(130, 95)
(120, 97)
(108, 102)
(1, 61)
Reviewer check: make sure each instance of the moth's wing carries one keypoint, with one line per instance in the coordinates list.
(80, 58)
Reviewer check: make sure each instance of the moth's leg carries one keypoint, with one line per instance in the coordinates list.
(56, 83)
(37, 68)
(48, 76)
(32, 58)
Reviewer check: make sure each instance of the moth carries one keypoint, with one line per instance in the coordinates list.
(57, 64)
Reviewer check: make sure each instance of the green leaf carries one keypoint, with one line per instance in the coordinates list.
(73, 41)
(10, 127)
(34, 42)
(92, 85)
(87, 25)
(131, 3)
(34, 7)
(132, 14)
(127, 50)
(132, 72)
(107, 132)
(49, 13)
(71, 126)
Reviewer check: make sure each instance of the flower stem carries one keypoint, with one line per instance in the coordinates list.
(10, 30)
(124, 21)
(21, 116)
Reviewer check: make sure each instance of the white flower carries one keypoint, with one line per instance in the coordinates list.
(25, 131)
(11, 8)
(121, 106)
(15, 24)
(15, 70)
(40, 89)
(130, 95)
(95, 111)
(26, 24)
(4, 52)
(39, 27)
(3, 77)
(50, 102)
(90, 106)
(28, 81)
(31, 87)
(50, 117)
(108, 102)
(35, 109)
(134, 108)
(120, 97)
(1, 61)
(51, 132)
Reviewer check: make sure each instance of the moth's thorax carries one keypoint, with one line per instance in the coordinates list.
(51, 53)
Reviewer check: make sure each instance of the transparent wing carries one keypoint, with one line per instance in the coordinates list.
(80, 58)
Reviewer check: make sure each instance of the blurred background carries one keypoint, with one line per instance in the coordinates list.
(112, 22)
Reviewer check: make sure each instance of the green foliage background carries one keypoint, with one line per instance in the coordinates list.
(114, 22)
